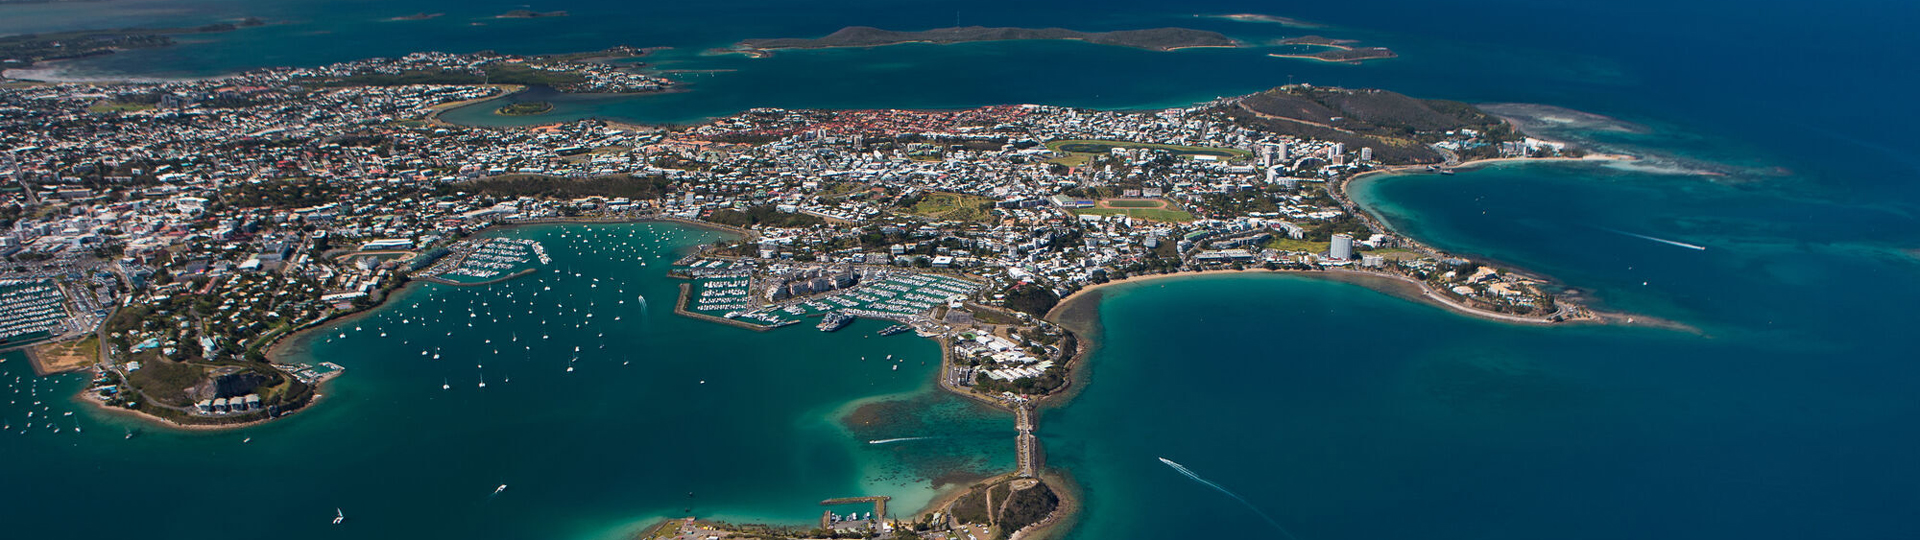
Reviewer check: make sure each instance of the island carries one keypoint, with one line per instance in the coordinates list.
(421, 16)
(570, 73)
(1344, 51)
(524, 108)
(24, 50)
(182, 285)
(529, 14)
(1155, 39)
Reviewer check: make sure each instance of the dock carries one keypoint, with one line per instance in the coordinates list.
(879, 507)
(1027, 447)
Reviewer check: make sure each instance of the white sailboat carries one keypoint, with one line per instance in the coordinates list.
(338, 516)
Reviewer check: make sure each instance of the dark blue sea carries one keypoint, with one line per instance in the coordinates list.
(1779, 136)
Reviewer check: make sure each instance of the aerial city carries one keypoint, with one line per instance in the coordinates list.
(607, 270)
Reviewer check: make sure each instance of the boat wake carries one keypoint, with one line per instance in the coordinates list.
(902, 439)
(1660, 240)
(1184, 471)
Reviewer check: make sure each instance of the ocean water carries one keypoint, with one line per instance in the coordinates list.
(1775, 136)
(661, 416)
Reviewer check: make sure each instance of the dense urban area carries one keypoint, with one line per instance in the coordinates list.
(167, 235)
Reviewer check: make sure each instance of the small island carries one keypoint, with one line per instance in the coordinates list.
(421, 16)
(1258, 18)
(525, 108)
(1345, 51)
(529, 14)
(1154, 39)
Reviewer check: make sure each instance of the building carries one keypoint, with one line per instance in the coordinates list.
(1342, 248)
(1366, 153)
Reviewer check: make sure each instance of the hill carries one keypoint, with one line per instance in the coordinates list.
(1396, 126)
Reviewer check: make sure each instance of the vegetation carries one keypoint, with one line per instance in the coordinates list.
(763, 215)
(941, 206)
(1012, 508)
(1027, 506)
(289, 193)
(1031, 299)
(119, 106)
(972, 507)
(1282, 243)
(25, 49)
(1396, 126)
(525, 108)
(1052, 379)
(1156, 214)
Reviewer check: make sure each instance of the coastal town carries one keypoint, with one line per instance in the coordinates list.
(166, 236)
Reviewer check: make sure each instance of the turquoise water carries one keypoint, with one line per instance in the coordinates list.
(1337, 411)
(753, 424)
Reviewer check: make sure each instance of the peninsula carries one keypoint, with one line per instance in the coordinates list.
(1156, 39)
(332, 190)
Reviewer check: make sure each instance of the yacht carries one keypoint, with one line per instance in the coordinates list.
(834, 321)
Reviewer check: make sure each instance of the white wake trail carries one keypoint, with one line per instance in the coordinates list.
(1660, 240)
(1184, 471)
(902, 439)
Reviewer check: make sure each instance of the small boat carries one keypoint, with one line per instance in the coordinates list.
(445, 385)
(338, 516)
(496, 491)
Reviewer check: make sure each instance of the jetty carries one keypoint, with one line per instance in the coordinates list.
(879, 507)
(1027, 447)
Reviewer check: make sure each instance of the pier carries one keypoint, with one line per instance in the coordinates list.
(879, 507)
(1027, 447)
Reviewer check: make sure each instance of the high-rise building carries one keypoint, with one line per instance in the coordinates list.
(1342, 248)
(1336, 150)
(1366, 153)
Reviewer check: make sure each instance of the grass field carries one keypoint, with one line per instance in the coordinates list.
(1289, 244)
(1156, 214)
(69, 356)
(118, 106)
(951, 207)
(1134, 203)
